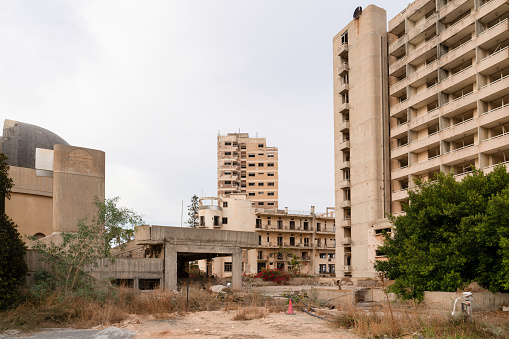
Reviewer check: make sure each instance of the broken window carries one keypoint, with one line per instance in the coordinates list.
(228, 267)
(344, 38)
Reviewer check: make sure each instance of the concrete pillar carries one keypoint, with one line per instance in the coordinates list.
(237, 268)
(170, 267)
(209, 265)
(136, 284)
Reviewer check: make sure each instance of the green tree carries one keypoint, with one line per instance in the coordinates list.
(451, 233)
(78, 252)
(193, 210)
(13, 268)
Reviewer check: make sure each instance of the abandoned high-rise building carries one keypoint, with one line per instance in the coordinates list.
(427, 94)
(247, 165)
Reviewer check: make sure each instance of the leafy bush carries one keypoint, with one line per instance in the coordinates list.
(13, 268)
(276, 275)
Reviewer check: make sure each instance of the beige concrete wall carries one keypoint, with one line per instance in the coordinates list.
(30, 205)
(368, 138)
(78, 176)
(32, 213)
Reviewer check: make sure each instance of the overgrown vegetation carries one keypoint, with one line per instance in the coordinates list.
(120, 303)
(452, 233)
(13, 268)
(77, 252)
(417, 322)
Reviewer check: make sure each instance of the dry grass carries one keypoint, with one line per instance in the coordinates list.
(123, 303)
(378, 323)
(251, 313)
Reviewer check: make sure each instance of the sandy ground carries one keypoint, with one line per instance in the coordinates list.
(219, 324)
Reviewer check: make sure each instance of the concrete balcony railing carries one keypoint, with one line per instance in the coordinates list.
(494, 143)
(344, 107)
(421, 73)
(344, 125)
(457, 27)
(344, 183)
(465, 127)
(400, 194)
(400, 150)
(422, 27)
(494, 115)
(345, 223)
(344, 164)
(496, 88)
(211, 207)
(398, 86)
(423, 119)
(423, 166)
(399, 106)
(396, 65)
(325, 230)
(344, 145)
(452, 6)
(491, 6)
(460, 153)
(343, 50)
(343, 68)
(423, 95)
(398, 43)
(343, 88)
(345, 203)
(399, 129)
(424, 142)
(494, 32)
(414, 54)
(346, 240)
(492, 60)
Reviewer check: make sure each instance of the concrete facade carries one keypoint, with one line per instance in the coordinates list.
(247, 165)
(280, 234)
(173, 248)
(54, 183)
(360, 137)
(442, 107)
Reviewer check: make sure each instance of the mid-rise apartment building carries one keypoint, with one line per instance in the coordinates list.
(306, 237)
(247, 165)
(427, 94)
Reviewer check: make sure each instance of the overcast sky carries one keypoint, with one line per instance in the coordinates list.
(152, 83)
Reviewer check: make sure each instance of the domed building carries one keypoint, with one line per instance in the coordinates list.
(54, 183)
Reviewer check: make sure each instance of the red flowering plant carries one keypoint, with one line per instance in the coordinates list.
(276, 275)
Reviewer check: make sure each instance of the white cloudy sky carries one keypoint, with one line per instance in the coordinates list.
(152, 83)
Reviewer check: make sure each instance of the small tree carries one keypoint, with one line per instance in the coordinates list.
(193, 211)
(13, 268)
(80, 251)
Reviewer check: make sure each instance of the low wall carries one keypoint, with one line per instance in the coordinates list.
(481, 301)
(119, 268)
(443, 301)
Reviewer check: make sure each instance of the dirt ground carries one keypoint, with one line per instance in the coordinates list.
(220, 324)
